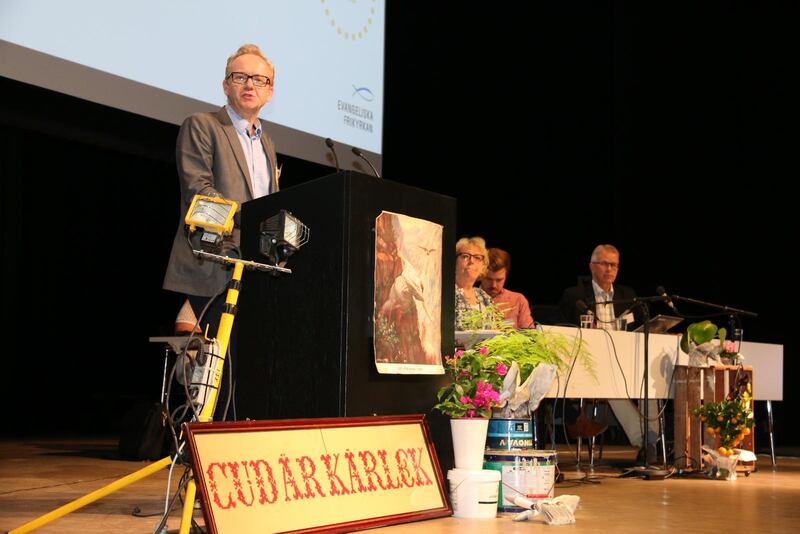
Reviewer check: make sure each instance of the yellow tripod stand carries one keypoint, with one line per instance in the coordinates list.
(206, 413)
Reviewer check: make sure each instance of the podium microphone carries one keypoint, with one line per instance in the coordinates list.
(661, 292)
(329, 144)
(361, 155)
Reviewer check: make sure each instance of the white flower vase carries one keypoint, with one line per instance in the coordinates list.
(469, 441)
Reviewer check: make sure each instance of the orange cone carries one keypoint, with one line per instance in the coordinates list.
(186, 320)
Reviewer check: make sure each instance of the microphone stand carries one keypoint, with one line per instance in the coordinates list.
(726, 309)
(733, 315)
(645, 470)
(646, 431)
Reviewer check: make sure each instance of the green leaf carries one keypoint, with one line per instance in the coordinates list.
(702, 332)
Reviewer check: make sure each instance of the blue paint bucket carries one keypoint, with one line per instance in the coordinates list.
(530, 474)
(509, 434)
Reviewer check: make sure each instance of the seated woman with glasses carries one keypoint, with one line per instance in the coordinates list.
(472, 260)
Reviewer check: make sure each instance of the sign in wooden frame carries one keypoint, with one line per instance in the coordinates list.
(320, 475)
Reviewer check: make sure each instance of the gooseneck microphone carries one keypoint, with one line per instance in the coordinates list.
(329, 144)
(661, 292)
(361, 155)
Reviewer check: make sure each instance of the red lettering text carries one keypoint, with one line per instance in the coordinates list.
(262, 492)
(306, 463)
(389, 483)
(354, 474)
(402, 467)
(333, 478)
(213, 485)
(416, 460)
(288, 479)
(369, 470)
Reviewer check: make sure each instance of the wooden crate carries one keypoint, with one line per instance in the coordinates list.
(693, 385)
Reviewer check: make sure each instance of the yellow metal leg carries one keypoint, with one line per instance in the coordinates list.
(93, 496)
(206, 414)
(188, 507)
(223, 338)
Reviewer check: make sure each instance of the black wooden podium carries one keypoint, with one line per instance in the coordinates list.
(305, 345)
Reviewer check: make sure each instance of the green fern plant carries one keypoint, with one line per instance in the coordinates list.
(489, 318)
(530, 348)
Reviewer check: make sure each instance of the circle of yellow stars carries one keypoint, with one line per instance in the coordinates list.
(348, 33)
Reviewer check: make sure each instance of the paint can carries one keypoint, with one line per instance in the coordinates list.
(509, 434)
(530, 473)
(474, 493)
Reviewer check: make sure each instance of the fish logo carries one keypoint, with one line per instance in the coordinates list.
(364, 93)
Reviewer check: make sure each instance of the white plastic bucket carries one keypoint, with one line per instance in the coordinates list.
(474, 492)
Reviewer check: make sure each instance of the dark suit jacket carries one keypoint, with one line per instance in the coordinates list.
(569, 313)
(210, 162)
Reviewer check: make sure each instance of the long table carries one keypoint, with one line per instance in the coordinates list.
(618, 359)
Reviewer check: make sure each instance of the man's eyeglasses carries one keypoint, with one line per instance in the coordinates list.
(466, 257)
(259, 80)
(607, 265)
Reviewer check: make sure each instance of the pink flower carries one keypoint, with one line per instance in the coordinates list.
(729, 346)
(485, 393)
(464, 399)
(501, 369)
(483, 351)
(459, 353)
(470, 413)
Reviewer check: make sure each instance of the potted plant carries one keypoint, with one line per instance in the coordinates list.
(530, 348)
(703, 341)
(487, 318)
(534, 358)
(729, 421)
(468, 401)
(499, 373)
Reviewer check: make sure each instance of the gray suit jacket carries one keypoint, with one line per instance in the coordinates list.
(210, 162)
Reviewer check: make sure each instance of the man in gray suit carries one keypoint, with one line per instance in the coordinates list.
(225, 153)
(228, 154)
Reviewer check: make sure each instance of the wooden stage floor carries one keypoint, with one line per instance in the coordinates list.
(39, 475)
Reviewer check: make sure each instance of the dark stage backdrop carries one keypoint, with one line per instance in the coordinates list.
(668, 134)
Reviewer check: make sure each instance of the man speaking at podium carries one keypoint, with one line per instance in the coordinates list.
(225, 153)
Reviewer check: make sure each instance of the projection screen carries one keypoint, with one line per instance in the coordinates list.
(166, 60)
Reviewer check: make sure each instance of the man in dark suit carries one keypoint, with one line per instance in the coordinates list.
(604, 266)
(228, 154)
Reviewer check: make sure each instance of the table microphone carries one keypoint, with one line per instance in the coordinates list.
(661, 292)
(329, 143)
(361, 155)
